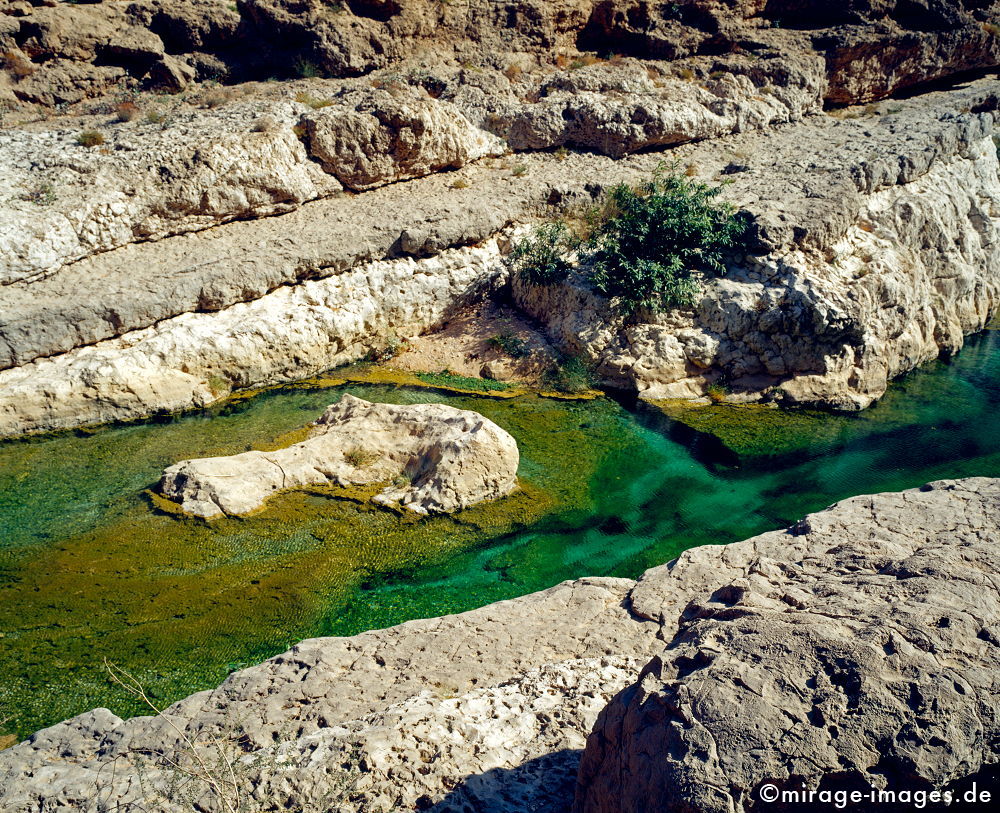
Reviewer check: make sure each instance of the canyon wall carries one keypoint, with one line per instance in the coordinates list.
(172, 230)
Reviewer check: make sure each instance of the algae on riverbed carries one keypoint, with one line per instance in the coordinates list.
(89, 568)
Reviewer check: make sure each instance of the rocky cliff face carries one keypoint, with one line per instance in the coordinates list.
(870, 49)
(127, 266)
(881, 240)
(859, 645)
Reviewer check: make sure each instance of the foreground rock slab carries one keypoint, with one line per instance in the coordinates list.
(864, 656)
(439, 459)
(489, 710)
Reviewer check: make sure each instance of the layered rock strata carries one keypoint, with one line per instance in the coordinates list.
(874, 260)
(188, 169)
(889, 598)
(63, 54)
(294, 331)
(877, 241)
(439, 459)
(201, 168)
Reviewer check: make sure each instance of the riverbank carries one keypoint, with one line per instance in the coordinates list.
(385, 720)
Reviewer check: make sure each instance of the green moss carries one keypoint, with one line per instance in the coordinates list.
(462, 383)
(755, 430)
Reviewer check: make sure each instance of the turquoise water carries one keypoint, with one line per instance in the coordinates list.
(91, 568)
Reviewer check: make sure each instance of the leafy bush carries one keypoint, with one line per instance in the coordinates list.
(506, 342)
(646, 251)
(644, 247)
(541, 257)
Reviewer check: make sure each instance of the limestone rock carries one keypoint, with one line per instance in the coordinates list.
(871, 263)
(197, 358)
(520, 685)
(868, 267)
(622, 109)
(447, 458)
(148, 181)
(382, 138)
(870, 50)
(865, 656)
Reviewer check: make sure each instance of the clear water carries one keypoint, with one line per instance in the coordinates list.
(91, 568)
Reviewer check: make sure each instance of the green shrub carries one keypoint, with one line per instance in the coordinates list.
(513, 346)
(569, 374)
(90, 138)
(541, 257)
(648, 248)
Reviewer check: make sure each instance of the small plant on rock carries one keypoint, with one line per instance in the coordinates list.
(90, 138)
(307, 69)
(661, 235)
(216, 98)
(127, 111)
(360, 458)
(42, 195)
(314, 102)
(541, 258)
(506, 342)
(716, 393)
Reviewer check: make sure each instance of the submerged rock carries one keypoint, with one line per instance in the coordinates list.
(439, 459)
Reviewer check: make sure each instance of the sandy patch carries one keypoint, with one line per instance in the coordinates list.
(489, 340)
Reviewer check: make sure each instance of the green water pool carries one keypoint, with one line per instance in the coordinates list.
(90, 568)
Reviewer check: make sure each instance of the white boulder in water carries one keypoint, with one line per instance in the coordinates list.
(439, 459)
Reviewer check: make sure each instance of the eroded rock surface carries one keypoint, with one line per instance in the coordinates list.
(879, 246)
(874, 234)
(380, 138)
(878, 240)
(488, 709)
(439, 459)
(864, 656)
(61, 54)
(197, 358)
